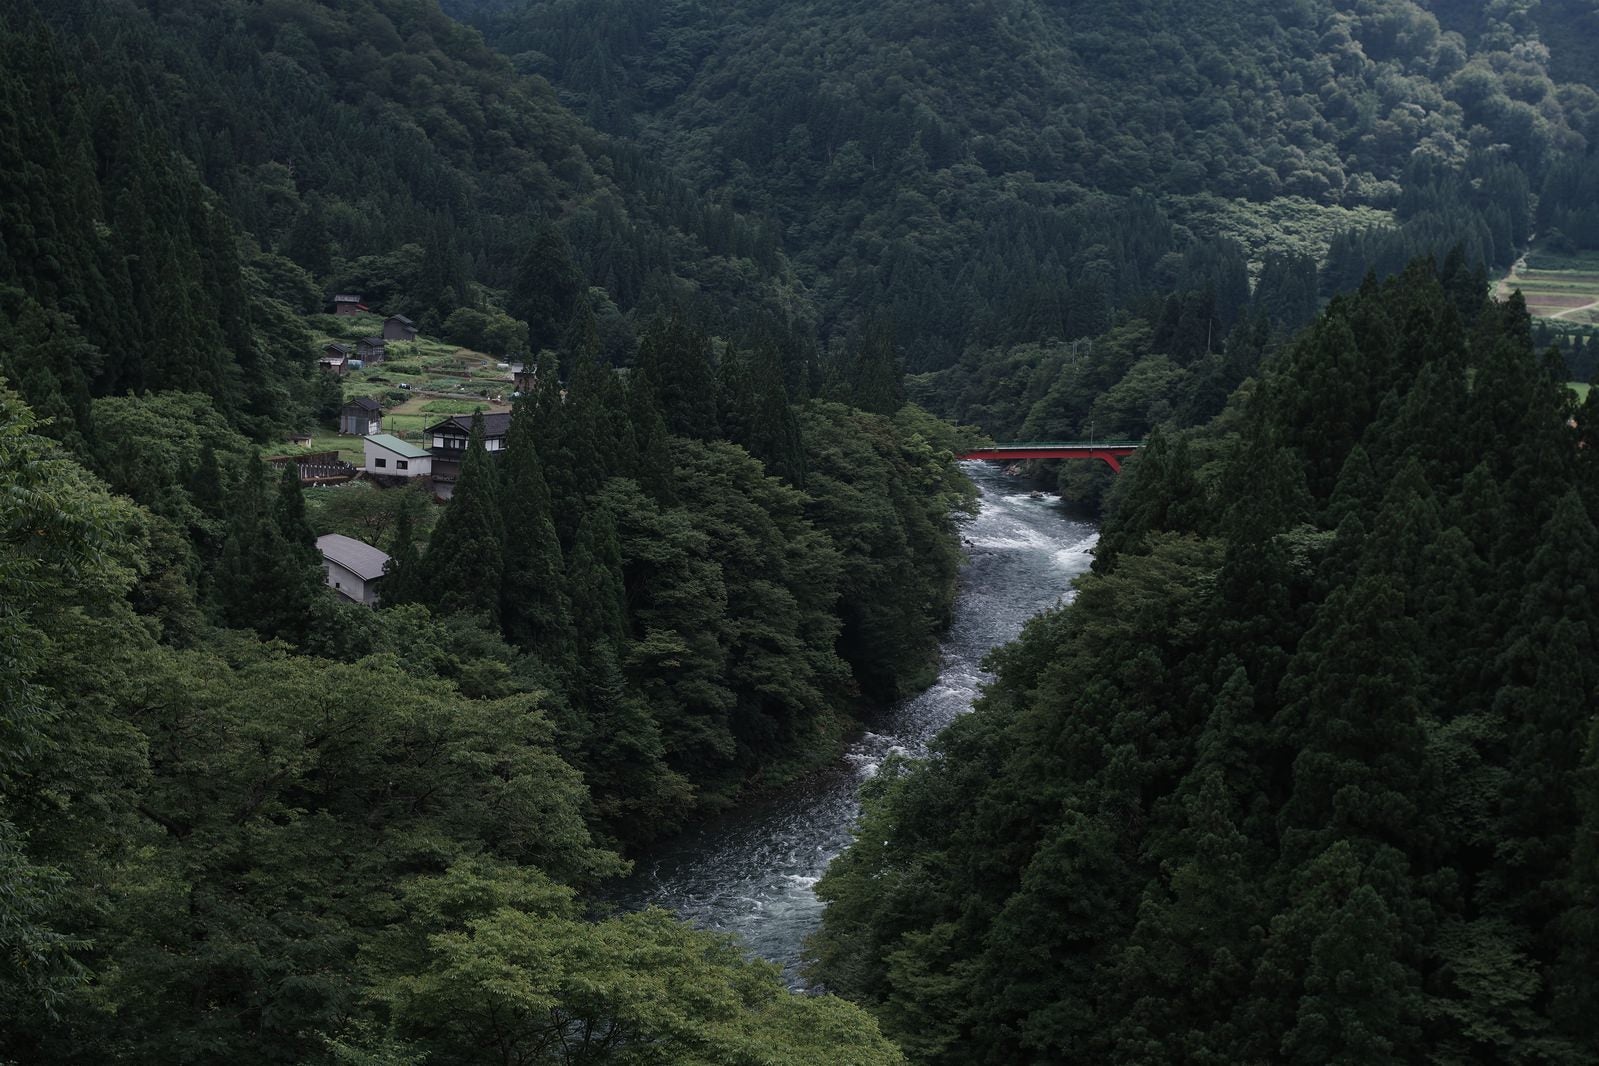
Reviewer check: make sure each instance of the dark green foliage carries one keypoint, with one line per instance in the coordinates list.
(545, 288)
(775, 437)
(675, 360)
(875, 493)
(465, 559)
(877, 374)
(404, 578)
(288, 512)
(535, 611)
(1304, 772)
(1010, 173)
(267, 574)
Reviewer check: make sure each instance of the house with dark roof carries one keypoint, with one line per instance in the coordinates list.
(348, 304)
(371, 350)
(335, 359)
(399, 328)
(450, 437)
(389, 456)
(353, 568)
(361, 416)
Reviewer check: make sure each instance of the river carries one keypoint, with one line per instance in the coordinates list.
(751, 871)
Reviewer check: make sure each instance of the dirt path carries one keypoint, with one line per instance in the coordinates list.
(1574, 310)
(1507, 283)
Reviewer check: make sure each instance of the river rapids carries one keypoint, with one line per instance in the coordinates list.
(751, 872)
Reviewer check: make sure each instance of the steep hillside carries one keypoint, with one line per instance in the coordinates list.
(261, 154)
(1306, 772)
(930, 158)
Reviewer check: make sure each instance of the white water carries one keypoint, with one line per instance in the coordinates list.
(752, 872)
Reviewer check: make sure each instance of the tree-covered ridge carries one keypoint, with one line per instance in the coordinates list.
(119, 269)
(1306, 772)
(355, 129)
(183, 181)
(375, 836)
(934, 160)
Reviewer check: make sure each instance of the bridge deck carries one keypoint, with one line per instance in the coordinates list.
(1110, 452)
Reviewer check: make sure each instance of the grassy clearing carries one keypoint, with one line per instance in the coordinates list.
(407, 420)
(1580, 388)
(322, 440)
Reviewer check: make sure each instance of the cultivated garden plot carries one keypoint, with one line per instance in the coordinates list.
(1559, 287)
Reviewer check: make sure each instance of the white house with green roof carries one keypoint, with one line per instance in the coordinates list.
(389, 456)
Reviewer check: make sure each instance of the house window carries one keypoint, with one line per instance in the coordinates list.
(401, 464)
(380, 462)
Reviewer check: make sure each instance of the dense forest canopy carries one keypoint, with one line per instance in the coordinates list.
(261, 156)
(1309, 770)
(243, 821)
(939, 159)
(1306, 773)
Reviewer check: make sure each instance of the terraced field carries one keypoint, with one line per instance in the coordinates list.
(1558, 287)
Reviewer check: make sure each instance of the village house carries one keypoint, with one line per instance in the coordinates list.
(335, 359)
(353, 568)
(389, 456)
(451, 436)
(371, 350)
(346, 304)
(399, 328)
(524, 376)
(361, 416)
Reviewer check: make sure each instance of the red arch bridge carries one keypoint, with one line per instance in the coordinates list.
(1107, 451)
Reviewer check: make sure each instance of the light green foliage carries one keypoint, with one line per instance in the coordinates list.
(506, 966)
(67, 557)
(153, 443)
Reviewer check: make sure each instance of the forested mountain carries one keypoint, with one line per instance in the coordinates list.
(1306, 773)
(944, 163)
(184, 179)
(1309, 770)
(242, 821)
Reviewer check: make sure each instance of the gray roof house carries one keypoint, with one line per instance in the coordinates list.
(353, 568)
(361, 416)
(399, 328)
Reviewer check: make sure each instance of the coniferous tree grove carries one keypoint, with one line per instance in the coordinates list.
(1306, 772)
